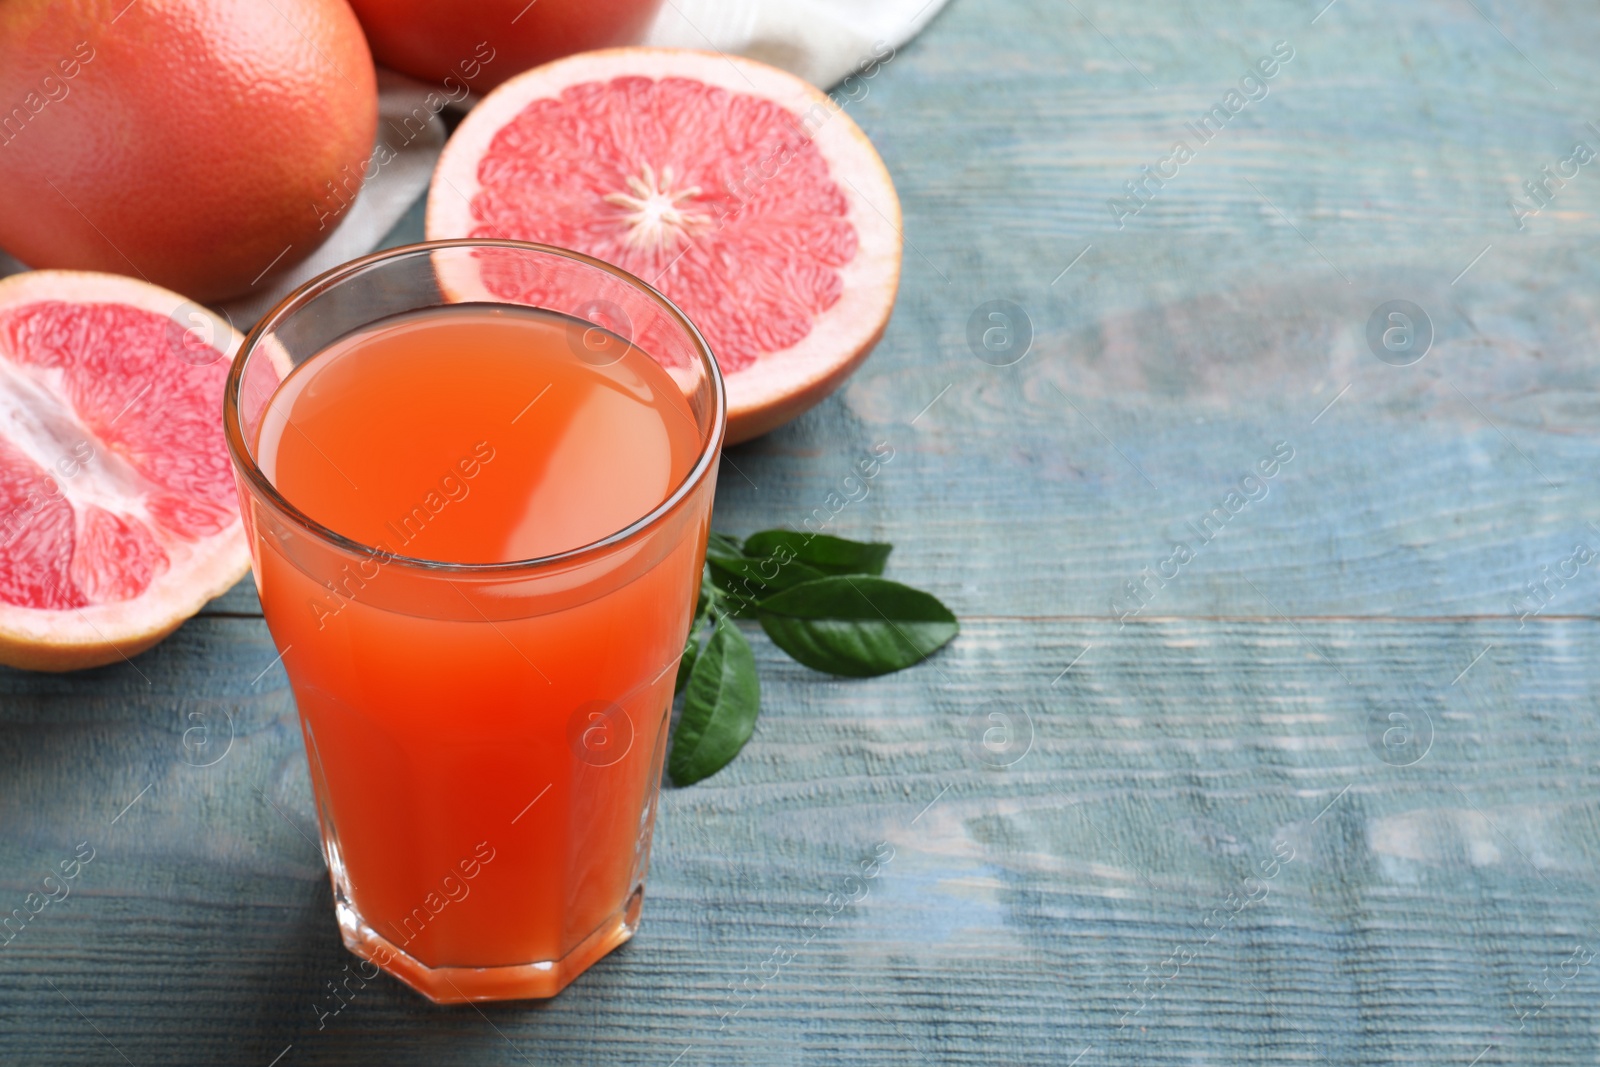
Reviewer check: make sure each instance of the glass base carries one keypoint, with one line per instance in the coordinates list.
(460, 985)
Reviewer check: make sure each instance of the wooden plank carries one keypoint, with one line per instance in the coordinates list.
(1064, 908)
(1020, 910)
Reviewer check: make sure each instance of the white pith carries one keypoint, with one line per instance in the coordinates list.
(39, 421)
(35, 419)
(841, 336)
(655, 217)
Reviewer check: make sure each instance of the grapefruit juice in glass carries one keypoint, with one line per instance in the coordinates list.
(477, 525)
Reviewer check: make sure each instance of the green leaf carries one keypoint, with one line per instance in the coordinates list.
(719, 710)
(724, 560)
(691, 652)
(746, 581)
(857, 626)
(823, 552)
(707, 600)
(721, 544)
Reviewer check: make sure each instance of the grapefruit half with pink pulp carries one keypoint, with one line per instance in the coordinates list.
(745, 195)
(118, 513)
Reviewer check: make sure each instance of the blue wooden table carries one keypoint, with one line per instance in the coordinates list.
(1271, 735)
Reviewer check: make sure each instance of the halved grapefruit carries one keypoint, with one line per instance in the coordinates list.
(118, 512)
(745, 195)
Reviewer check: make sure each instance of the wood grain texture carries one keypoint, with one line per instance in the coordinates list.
(1340, 675)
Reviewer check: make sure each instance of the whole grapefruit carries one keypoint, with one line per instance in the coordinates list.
(197, 144)
(481, 43)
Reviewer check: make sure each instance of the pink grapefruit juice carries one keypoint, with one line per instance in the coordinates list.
(485, 773)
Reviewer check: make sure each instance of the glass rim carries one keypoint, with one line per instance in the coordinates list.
(258, 482)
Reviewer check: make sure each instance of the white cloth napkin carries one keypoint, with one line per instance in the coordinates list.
(822, 41)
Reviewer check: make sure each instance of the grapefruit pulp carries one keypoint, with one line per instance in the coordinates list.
(742, 193)
(118, 513)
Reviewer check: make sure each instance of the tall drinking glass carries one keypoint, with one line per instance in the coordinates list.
(484, 736)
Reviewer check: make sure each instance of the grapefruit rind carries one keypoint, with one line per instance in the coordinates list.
(72, 638)
(207, 145)
(780, 384)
